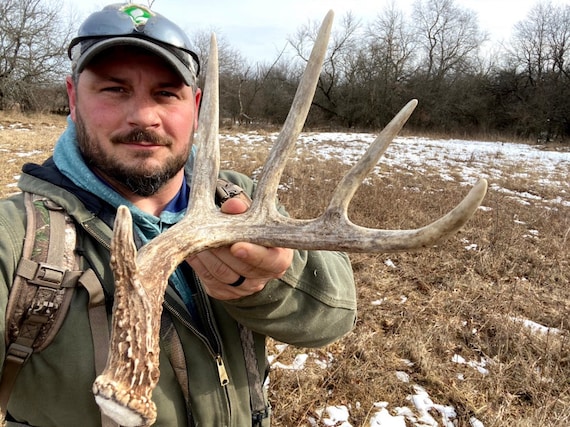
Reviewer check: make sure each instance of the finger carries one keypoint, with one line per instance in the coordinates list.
(226, 292)
(261, 260)
(211, 268)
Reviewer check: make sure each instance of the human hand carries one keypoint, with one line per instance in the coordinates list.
(221, 270)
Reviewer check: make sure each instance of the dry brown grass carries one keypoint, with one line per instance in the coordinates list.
(456, 302)
(25, 138)
(435, 303)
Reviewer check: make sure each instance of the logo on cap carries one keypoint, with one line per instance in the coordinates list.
(138, 14)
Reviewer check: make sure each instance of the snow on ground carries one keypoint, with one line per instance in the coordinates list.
(455, 160)
(418, 414)
(470, 160)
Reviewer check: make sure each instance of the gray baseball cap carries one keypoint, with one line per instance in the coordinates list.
(137, 26)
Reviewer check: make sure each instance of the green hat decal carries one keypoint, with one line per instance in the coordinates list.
(138, 14)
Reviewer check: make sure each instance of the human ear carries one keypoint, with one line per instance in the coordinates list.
(71, 95)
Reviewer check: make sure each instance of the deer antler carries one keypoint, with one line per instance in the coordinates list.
(124, 389)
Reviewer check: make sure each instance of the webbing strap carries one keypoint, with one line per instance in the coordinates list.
(97, 318)
(175, 352)
(47, 275)
(99, 328)
(259, 409)
(57, 246)
(12, 365)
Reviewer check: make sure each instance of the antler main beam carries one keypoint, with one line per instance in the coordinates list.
(124, 389)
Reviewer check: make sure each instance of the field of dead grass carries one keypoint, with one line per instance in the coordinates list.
(418, 311)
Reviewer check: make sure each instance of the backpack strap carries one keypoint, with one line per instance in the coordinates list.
(99, 328)
(97, 318)
(43, 287)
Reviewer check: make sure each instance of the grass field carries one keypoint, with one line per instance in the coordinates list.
(473, 332)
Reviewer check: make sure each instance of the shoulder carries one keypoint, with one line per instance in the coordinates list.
(13, 216)
(12, 232)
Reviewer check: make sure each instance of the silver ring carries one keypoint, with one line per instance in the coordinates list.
(238, 282)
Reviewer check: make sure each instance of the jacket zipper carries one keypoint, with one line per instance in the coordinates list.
(94, 232)
(209, 323)
(222, 372)
(216, 356)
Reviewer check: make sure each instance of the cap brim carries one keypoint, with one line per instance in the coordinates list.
(187, 75)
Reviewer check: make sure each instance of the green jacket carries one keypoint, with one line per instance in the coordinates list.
(312, 305)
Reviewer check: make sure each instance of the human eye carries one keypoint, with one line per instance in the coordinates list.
(113, 89)
(167, 94)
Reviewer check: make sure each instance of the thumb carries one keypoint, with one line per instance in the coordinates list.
(234, 206)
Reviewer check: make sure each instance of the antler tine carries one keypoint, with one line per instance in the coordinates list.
(351, 181)
(454, 220)
(207, 160)
(273, 169)
(354, 238)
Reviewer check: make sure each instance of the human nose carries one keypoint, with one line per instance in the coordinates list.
(143, 112)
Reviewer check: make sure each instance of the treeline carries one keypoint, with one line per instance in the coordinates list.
(437, 54)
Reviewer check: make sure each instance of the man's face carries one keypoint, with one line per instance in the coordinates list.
(135, 119)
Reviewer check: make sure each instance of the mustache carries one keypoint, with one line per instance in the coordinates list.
(141, 135)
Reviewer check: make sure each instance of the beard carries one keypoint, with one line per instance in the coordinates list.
(142, 180)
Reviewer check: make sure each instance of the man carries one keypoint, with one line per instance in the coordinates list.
(134, 106)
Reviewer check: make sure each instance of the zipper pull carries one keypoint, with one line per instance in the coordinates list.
(222, 373)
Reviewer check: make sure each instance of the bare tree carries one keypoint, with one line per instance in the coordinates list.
(530, 42)
(540, 57)
(234, 71)
(33, 41)
(339, 65)
(230, 59)
(387, 62)
(541, 41)
(391, 43)
(449, 34)
(560, 40)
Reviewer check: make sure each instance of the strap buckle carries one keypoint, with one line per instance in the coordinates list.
(18, 353)
(48, 275)
(226, 190)
(44, 304)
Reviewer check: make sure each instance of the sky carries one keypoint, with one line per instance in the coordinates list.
(258, 29)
